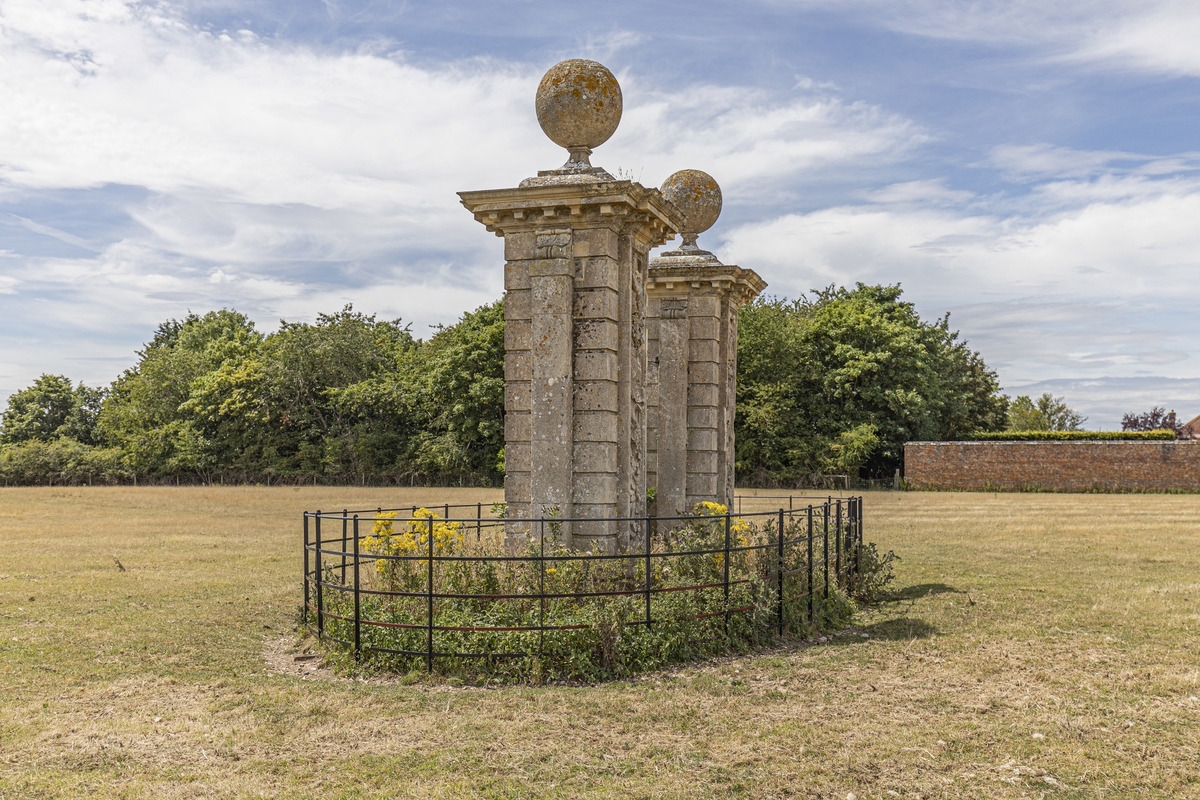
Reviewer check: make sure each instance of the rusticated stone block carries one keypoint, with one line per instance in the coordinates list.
(701, 486)
(595, 365)
(516, 275)
(518, 304)
(517, 457)
(597, 273)
(551, 267)
(703, 372)
(516, 487)
(702, 462)
(591, 242)
(517, 397)
(518, 365)
(702, 439)
(599, 334)
(596, 396)
(518, 335)
(704, 350)
(704, 306)
(704, 328)
(595, 487)
(516, 426)
(702, 417)
(595, 427)
(704, 394)
(596, 304)
(596, 457)
(519, 246)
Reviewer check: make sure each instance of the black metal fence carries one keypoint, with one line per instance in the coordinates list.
(398, 588)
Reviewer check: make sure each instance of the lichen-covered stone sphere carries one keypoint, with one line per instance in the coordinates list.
(697, 195)
(579, 103)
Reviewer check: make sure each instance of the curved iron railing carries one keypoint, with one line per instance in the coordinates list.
(800, 554)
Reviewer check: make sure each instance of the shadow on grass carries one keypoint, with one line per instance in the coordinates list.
(919, 591)
(901, 629)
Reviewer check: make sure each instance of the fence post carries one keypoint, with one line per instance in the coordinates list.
(858, 530)
(811, 589)
(728, 526)
(648, 572)
(542, 584)
(320, 594)
(304, 610)
(429, 603)
(837, 546)
(825, 545)
(478, 521)
(344, 543)
(357, 597)
(780, 570)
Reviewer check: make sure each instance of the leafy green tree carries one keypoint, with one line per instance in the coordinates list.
(1046, 413)
(845, 378)
(311, 427)
(51, 408)
(147, 412)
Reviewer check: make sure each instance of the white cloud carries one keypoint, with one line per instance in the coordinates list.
(1081, 279)
(1156, 36)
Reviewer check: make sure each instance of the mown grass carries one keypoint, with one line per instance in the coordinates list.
(1037, 645)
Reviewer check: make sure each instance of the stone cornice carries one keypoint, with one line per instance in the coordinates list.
(614, 204)
(701, 273)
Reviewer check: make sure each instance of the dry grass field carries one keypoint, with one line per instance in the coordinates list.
(1036, 646)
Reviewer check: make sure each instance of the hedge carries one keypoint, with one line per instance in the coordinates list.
(1071, 436)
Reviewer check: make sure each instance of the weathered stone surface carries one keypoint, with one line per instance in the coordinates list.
(599, 334)
(703, 372)
(598, 426)
(518, 334)
(596, 396)
(579, 103)
(698, 196)
(517, 427)
(516, 275)
(693, 347)
(595, 487)
(518, 396)
(519, 246)
(597, 273)
(702, 439)
(518, 304)
(596, 365)
(598, 304)
(577, 247)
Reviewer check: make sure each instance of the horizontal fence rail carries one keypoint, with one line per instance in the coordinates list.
(414, 581)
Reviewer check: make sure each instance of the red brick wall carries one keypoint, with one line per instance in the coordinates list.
(1054, 466)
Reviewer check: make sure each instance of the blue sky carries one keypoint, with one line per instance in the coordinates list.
(1032, 168)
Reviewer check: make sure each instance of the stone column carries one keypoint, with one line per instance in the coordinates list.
(576, 246)
(694, 300)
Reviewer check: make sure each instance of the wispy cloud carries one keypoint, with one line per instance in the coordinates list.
(1156, 36)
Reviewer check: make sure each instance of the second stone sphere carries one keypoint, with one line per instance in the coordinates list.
(579, 103)
(697, 195)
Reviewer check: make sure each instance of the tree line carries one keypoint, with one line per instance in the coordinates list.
(832, 383)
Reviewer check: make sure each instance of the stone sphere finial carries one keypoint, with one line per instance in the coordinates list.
(579, 107)
(698, 196)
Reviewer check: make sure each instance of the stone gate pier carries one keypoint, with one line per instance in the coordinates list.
(692, 376)
(576, 246)
(603, 348)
